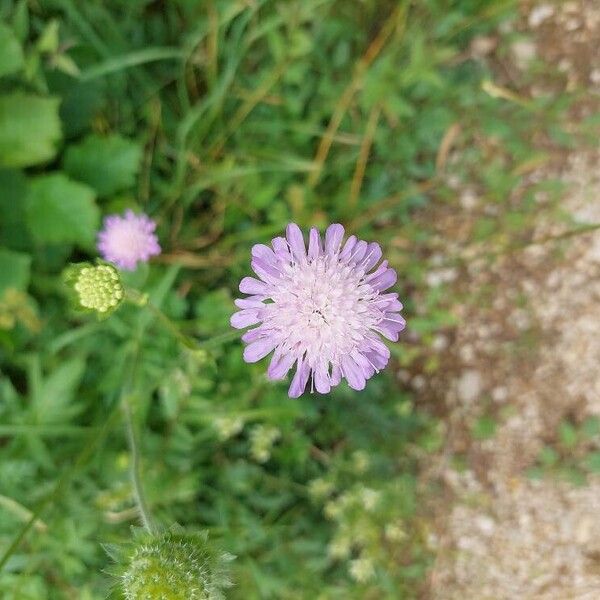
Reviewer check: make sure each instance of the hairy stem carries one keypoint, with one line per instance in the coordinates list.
(136, 480)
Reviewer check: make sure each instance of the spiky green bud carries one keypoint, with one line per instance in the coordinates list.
(173, 565)
(97, 288)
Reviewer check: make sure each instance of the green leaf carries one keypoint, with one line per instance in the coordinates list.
(13, 231)
(59, 210)
(592, 462)
(48, 40)
(29, 129)
(590, 428)
(11, 53)
(548, 456)
(20, 20)
(53, 396)
(567, 434)
(108, 164)
(484, 428)
(14, 270)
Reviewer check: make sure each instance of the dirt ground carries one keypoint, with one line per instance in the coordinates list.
(530, 357)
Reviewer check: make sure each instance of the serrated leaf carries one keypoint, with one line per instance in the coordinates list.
(108, 164)
(11, 53)
(54, 395)
(59, 210)
(14, 270)
(29, 129)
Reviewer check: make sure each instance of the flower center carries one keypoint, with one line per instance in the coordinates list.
(322, 309)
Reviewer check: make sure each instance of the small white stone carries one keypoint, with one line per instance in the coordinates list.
(523, 52)
(499, 394)
(485, 524)
(440, 342)
(469, 386)
(482, 45)
(468, 199)
(467, 353)
(418, 382)
(540, 14)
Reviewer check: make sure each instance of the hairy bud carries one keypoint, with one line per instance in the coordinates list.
(173, 565)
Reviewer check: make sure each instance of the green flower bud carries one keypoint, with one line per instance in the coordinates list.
(173, 565)
(97, 288)
(262, 438)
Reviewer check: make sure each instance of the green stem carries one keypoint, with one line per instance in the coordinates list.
(188, 342)
(222, 338)
(142, 300)
(136, 480)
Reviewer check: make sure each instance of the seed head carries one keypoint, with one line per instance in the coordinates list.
(174, 565)
(99, 288)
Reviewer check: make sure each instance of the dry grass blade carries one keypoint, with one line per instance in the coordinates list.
(363, 157)
(396, 20)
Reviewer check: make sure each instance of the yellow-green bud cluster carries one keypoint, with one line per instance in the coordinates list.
(99, 288)
(175, 566)
(262, 438)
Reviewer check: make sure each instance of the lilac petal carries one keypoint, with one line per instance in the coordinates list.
(300, 379)
(389, 302)
(394, 306)
(280, 365)
(250, 302)
(364, 365)
(353, 374)
(244, 318)
(379, 347)
(250, 285)
(348, 247)
(395, 320)
(377, 360)
(265, 271)
(380, 269)
(374, 254)
(314, 244)
(333, 238)
(265, 254)
(336, 376)
(254, 334)
(321, 379)
(390, 329)
(358, 252)
(281, 249)
(256, 350)
(296, 241)
(384, 281)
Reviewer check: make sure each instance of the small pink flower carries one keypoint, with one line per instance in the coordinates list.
(322, 309)
(127, 240)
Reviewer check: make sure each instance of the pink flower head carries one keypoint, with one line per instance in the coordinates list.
(128, 239)
(322, 309)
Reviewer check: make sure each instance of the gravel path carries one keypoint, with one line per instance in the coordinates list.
(531, 358)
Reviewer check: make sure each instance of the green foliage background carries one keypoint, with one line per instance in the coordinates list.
(224, 120)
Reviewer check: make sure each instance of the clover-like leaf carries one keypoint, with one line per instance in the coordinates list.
(59, 210)
(109, 164)
(29, 129)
